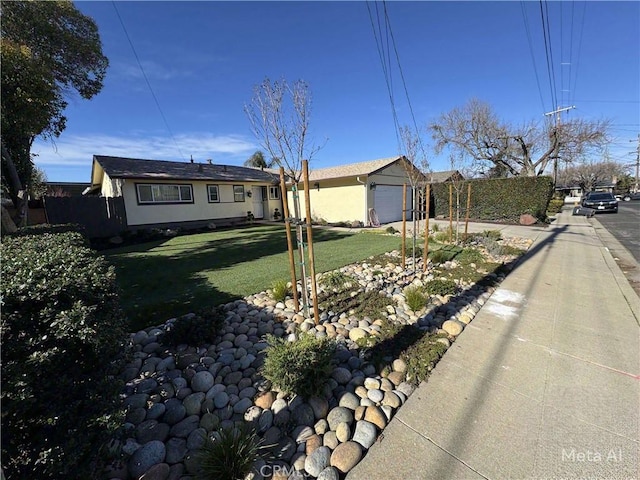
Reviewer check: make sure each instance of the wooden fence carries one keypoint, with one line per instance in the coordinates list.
(101, 217)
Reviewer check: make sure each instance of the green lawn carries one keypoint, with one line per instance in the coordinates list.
(171, 277)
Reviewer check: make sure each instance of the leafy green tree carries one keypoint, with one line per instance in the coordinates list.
(48, 51)
(257, 160)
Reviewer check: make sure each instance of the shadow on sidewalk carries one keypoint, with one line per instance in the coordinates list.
(407, 337)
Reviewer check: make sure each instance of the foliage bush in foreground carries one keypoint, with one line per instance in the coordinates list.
(335, 280)
(229, 453)
(415, 298)
(441, 287)
(62, 332)
(301, 367)
(280, 290)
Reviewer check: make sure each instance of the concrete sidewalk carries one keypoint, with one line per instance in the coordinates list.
(544, 383)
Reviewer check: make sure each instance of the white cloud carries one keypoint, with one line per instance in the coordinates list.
(154, 71)
(78, 150)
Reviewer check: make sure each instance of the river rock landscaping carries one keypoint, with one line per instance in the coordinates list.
(176, 396)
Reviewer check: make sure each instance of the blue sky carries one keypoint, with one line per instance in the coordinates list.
(202, 60)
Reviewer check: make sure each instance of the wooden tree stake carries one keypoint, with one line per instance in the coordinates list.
(426, 227)
(466, 220)
(312, 263)
(404, 224)
(292, 262)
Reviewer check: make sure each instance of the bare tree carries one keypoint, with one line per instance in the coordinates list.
(279, 114)
(474, 130)
(589, 175)
(415, 165)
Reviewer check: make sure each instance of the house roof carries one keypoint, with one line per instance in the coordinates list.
(352, 169)
(440, 177)
(119, 167)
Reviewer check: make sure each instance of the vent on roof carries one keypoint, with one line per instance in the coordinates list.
(209, 161)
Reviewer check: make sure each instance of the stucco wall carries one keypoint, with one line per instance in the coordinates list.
(339, 200)
(200, 209)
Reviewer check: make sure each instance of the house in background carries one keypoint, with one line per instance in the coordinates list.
(66, 189)
(350, 192)
(163, 194)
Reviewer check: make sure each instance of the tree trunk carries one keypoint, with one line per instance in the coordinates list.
(7, 222)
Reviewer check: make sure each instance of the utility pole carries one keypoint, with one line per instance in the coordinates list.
(636, 187)
(557, 113)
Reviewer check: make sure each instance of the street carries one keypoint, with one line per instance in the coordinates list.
(625, 226)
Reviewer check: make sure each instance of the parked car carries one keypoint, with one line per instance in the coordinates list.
(630, 196)
(600, 202)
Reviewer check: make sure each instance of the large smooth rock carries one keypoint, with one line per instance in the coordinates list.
(346, 456)
(338, 415)
(453, 327)
(317, 461)
(147, 456)
(365, 434)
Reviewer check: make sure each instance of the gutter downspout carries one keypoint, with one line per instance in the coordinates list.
(366, 201)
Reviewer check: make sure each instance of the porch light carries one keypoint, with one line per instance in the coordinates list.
(372, 186)
(249, 193)
(317, 185)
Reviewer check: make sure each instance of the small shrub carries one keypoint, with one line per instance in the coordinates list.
(301, 367)
(511, 250)
(62, 336)
(470, 255)
(421, 357)
(364, 304)
(195, 330)
(441, 287)
(491, 234)
(441, 237)
(555, 206)
(435, 227)
(444, 254)
(335, 280)
(493, 247)
(414, 298)
(228, 453)
(280, 290)
(391, 230)
(409, 249)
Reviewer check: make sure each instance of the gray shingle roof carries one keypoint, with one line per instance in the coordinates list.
(351, 170)
(119, 167)
(439, 177)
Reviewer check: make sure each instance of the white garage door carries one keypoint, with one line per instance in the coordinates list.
(388, 203)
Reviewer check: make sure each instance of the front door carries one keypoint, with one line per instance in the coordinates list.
(256, 202)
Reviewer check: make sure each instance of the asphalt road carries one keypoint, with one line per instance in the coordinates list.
(625, 226)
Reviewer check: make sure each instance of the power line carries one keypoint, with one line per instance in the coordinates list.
(533, 58)
(547, 52)
(385, 70)
(575, 81)
(404, 83)
(135, 54)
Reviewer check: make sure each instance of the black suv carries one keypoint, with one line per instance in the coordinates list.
(600, 202)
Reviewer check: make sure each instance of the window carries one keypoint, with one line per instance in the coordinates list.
(164, 193)
(214, 195)
(238, 193)
(274, 193)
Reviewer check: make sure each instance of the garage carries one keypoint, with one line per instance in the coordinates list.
(388, 203)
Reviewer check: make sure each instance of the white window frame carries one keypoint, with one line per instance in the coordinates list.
(154, 189)
(273, 196)
(237, 193)
(217, 190)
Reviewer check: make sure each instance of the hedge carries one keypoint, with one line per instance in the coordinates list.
(62, 334)
(500, 200)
